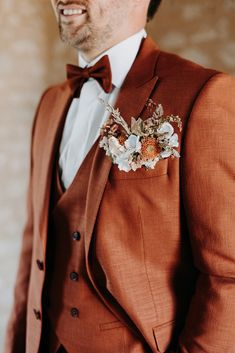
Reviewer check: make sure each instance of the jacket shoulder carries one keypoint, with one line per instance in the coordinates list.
(53, 90)
(170, 64)
(174, 62)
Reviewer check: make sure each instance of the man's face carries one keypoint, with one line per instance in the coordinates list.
(84, 24)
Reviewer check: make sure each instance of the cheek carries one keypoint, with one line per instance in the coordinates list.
(99, 15)
(104, 8)
(105, 12)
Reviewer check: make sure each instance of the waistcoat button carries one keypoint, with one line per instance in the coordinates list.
(40, 265)
(74, 312)
(74, 276)
(76, 236)
(37, 314)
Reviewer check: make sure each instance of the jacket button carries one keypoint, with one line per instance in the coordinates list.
(40, 265)
(37, 314)
(74, 312)
(74, 276)
(76, 236)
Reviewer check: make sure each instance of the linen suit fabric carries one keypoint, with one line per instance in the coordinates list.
(99, 332)
(163, 239)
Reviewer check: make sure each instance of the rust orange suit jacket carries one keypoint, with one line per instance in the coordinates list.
(165, 238)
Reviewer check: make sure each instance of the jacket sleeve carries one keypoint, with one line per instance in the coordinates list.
(16, 328)
(208, 175)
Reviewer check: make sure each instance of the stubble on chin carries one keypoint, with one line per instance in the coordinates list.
(73, 37)
(82, 39)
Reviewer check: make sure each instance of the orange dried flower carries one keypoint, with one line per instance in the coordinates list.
(149, 148)
(122, 139)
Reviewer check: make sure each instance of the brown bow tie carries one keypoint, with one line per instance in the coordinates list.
(101, 71)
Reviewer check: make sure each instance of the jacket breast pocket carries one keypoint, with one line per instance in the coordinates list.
(160, 169)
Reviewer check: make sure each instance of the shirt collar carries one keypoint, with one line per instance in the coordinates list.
(121, 57)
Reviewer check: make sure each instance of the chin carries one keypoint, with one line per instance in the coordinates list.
(77, 42)
(74, 36)
(79, 39)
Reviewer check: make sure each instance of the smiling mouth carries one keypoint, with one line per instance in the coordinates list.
(71, 10)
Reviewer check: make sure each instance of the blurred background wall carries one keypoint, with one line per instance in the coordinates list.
(32, 57)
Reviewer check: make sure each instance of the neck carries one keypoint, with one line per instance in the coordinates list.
(91, 54)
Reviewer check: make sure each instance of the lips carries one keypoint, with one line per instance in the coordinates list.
(71, 9)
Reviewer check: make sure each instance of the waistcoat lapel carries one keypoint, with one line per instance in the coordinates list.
(134, 94)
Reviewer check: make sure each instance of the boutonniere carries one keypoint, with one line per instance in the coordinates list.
(144, 143)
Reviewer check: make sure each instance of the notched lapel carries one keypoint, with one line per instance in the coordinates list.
(140, 82)
(59, 102)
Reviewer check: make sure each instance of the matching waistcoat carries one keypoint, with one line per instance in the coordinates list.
(77, 316)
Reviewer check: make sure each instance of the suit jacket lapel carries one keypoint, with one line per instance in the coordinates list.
(60, 101)
(132, 99)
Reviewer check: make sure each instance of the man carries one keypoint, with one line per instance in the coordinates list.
(139, 260)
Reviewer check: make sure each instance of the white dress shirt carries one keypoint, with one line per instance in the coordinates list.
(87, 114)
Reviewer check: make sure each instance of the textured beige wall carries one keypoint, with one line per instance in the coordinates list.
(31, 57)
(200, 30)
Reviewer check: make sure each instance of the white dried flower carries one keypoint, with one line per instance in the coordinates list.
(144, 143)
